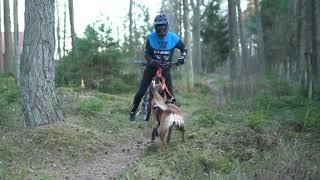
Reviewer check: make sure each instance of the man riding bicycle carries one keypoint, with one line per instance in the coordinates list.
(160, 46)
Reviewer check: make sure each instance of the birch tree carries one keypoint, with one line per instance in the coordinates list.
(187, 42)
(73, 33)
(131, 28)
(1, 57)
(16, 40)
(64, 28)
(244, 54)
(196, 45)
(58, 31)
(8, 39)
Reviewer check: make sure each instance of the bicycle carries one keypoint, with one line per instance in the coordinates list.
(158, 79)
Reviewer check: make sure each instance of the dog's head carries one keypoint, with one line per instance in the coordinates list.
(157, 85)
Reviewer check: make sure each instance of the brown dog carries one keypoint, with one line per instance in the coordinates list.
(164, 117)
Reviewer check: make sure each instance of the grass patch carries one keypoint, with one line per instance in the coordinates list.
(245, 138)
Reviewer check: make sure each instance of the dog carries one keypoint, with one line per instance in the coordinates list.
(164, 117)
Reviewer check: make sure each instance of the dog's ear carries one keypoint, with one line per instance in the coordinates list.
(158, 100)
(155, 86)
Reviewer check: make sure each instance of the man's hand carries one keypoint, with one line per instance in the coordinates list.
(181, 58)
(154, 63)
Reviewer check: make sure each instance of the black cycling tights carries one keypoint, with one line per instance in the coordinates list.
(148, 74)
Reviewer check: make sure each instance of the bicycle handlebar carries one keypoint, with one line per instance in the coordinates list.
(161, 64)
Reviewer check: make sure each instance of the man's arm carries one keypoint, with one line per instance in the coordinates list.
(148, 53)
(183, 50)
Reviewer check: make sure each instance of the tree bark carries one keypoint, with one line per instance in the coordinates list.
(1, 53)
(244, 54)
(309, 43)
(131, 29)
(16, 40)
(64, 27)
(58, 31)
(9, 65)
(73, 34)
(300, 39)
(260, 38)
(39, 102)
(190, 82)
(171, 9)
(316, 38)
(233, 39)
(180, 17)
(196, 45)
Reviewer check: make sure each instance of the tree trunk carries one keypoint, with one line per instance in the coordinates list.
(16, 40)
(316, 38)
(73, 34)
(180, 17)
(9, 65)
(244, 54)
(131, 29)
(260, 38)
(233, 39)
(171, 9)
(300, 39)
(39, 102)
(1, 51)
(196, 45)
(58, 31)
(64, 28)
(187, 42)
(308, 46)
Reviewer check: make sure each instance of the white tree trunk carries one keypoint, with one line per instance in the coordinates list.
(243, 42)
(9, 66)
(1, 58)
(73, 33)
(187, 42)
(131, 30)
(58, 31)
(16, 40)
(64, 27)
(196, 48)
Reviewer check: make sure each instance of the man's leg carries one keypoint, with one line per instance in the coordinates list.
(145, 81)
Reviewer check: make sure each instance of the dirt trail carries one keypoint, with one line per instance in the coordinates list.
(111, 163)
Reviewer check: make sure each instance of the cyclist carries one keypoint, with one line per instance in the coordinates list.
(160, 46)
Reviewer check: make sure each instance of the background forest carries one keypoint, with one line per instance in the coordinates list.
(250, 89)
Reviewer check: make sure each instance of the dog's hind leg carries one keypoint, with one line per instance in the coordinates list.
(154, 133)
(169, 133)
(182, 130)
(163, 137)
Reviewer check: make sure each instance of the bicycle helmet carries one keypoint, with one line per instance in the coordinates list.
(161, 25)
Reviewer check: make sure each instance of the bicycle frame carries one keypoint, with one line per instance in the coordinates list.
(146, 100)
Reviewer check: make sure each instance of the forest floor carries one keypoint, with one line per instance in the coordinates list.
(110, 163)
(268, 133)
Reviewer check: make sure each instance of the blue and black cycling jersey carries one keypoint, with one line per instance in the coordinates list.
(162, 49)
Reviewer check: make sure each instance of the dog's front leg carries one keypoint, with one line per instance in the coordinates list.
(155, 124)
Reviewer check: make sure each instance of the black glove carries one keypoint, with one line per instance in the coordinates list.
(181, 58)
